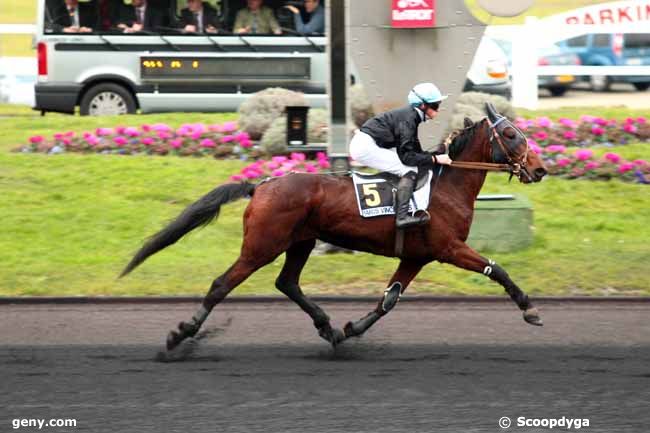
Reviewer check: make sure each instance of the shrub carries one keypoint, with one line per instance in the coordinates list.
(360, 105)
(478, 100)
(280, 165)
(258, 112)
(274, 141)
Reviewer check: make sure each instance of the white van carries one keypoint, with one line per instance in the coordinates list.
(162, 68)
(489, 70)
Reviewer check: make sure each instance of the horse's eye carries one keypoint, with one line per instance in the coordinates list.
(509, 133)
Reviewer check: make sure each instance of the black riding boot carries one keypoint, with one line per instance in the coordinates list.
(404, 191)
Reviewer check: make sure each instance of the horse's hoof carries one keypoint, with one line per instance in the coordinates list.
(333, 335)
(531, 316)
(173, 340)
(349, 331)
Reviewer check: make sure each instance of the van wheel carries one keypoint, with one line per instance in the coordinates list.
(557, 90)
(599, 83)
(107, 99)
(641, 86)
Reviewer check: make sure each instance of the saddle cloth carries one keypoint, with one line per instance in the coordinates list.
(376, 193)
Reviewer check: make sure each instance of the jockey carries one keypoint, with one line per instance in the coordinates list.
(389, 142)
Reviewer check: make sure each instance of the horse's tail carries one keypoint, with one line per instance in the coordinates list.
(198, 214)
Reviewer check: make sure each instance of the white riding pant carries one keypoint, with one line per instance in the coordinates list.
(364, 150)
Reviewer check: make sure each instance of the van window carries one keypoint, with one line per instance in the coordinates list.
(601, 40)
(580, 41)
(637, 40)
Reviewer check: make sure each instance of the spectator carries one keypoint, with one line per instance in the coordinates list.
(256, 19)
(199, 17)
(75, 18)
(315, 23)
(138, 16)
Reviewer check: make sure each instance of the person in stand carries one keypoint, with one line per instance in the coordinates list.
(389, 142)
(75, 18)
(256, 19)
(140, 16)
(315, 22)
(199, 17)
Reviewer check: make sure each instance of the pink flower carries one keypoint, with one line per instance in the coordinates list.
(544, 122)
(120, 129)
(59, 135)
(569, 135)
(624, 168)
(131, 131)
(215, 128)
(120, 141)
(296, 156)
(164, 135)
(104, 131)
(176, 143)
(161, 127)
(310, 168)
(640, 162)
(236, 177)
(207, 143)
(227, 138)
(321, 155)
(251, 174)
(277, 173)
(584, 154)
(628, 127)
(272, 165)
(148, 141)
(246, 144)
(556, 148)
(591, 165)
(145, 128)
(535, 148)
(600, 121)
(229, 127)
(242, 136)
(540, 135)
(35, 139)
(587, 118)
(563, 162)
(640, 120)
(597, 130)
(279, 159)
(196, 135)
(613, 157)
(568, 123)
(184, 130)
(92, 140)
(66, 141)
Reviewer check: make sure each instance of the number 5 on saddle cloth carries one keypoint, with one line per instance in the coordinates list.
(375, 193)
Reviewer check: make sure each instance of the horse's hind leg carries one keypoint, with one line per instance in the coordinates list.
(288, 283)
(255, 254)
(405, 273)
(466, 258)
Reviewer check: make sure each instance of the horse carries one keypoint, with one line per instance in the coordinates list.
(288, 214)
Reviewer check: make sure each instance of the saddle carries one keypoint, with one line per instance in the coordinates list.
(376, 192)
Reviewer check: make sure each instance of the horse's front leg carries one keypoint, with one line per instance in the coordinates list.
(466, 258)
(406, 271)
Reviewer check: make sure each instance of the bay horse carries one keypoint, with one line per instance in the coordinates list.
(288, 214)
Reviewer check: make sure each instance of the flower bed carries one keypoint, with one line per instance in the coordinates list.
(217, 140)
(549, 139)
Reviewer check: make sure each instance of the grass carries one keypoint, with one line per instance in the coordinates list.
(73, 221)
(16, 46)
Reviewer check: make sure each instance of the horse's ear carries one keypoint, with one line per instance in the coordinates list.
(492, 112)
(467, 123)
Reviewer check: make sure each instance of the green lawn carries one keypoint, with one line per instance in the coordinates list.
(73, 221)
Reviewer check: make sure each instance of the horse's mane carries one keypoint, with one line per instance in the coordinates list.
(459, 139)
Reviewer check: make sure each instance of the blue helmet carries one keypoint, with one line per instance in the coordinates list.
(425, 93)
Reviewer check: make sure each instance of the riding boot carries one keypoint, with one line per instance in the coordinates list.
(404, 191)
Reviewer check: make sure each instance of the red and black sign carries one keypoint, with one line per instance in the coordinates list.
(413, 13)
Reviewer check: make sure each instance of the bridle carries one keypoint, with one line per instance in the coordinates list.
(516, 164)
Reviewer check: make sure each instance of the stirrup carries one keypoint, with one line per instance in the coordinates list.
(412, 220)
